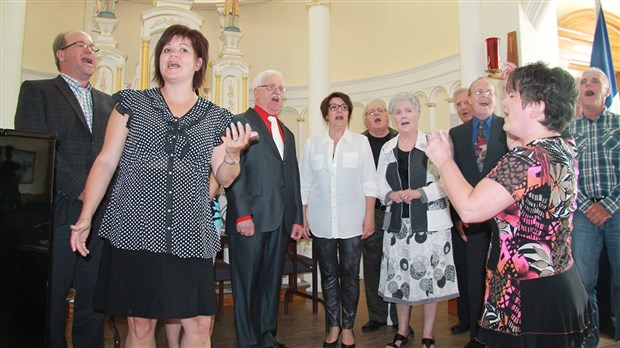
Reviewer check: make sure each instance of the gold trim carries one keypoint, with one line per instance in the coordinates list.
(144, 77)
(431, 105)
(119, 75)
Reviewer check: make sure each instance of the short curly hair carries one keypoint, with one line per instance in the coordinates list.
(555, 87)
(404, 97)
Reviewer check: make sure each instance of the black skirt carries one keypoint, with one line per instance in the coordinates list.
(555, 313)
(153, 285)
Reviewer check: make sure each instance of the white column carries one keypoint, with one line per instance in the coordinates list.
(472, 54)
(13, 15)
(318, 79)
(432, 115)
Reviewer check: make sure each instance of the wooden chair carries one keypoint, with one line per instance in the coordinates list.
(222, 273)
(294, 264)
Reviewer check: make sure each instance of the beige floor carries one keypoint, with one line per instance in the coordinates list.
(303, 329)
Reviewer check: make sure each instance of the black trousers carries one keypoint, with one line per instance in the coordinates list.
(460, 261)
(373, 252)
(70, 269)
(256, 265)
(476, 248)
(339, 262)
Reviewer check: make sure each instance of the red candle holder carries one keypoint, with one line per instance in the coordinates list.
(493, 55)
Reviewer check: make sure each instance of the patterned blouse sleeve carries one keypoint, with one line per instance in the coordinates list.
(224, 117)
(123, 101)
(517, 172)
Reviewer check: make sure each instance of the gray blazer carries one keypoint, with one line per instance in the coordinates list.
(51, 106)
(267, 187)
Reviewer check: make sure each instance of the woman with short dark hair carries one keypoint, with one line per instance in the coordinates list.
(534, 295)
(338, 192)
(159, 232)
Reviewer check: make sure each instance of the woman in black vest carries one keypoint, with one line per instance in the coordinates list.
(417, 265)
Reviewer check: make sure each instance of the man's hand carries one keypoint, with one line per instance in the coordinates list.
(300, 231)
(597, 214)
(460, 228)
(246, 228)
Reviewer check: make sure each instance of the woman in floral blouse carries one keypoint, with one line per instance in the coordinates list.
(534, 297)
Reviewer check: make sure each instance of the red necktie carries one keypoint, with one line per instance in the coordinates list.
(481, 146)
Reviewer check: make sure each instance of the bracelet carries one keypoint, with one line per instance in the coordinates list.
(232, 162)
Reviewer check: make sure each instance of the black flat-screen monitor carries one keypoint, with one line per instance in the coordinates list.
(26, 187)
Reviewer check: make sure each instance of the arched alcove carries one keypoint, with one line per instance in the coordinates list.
(356, 125)
(439, 98)
(425, 123)
(575, 35)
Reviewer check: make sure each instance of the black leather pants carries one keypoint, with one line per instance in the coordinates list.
(339, 262)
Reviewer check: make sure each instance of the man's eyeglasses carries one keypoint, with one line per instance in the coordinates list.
(334, 107)
(270, 87)
(81, 45)
(487, 92)
(374, 112)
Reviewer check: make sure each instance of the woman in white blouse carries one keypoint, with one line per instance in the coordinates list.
(338, 191)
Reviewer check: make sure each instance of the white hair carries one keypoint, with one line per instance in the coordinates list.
(258, 80)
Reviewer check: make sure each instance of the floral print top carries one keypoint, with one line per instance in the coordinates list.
(533, 236)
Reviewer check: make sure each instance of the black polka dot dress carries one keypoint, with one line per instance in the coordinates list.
(158, 222)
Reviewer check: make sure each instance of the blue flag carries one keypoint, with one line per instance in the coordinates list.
(601, 56)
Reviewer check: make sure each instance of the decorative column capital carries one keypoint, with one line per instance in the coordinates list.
(310, 3)
(431, 105)
(105, 26)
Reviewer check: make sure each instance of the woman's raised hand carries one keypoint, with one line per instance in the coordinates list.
(439, 147)
(238, 138)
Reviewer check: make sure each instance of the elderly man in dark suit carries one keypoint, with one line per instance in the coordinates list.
(264, 211)
(68, 106)
(478, 145)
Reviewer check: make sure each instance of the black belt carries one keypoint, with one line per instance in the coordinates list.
(596, 199)
(378, 205)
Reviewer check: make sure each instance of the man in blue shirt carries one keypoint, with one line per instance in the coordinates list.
(478, 145)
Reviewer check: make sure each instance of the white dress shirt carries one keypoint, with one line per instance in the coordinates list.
(335, 188)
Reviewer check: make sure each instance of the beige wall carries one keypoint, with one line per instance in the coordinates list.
(44, 20)
(368, 38)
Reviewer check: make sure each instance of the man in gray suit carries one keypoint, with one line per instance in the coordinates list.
(467, 142)
(68, 106)
(264, 211)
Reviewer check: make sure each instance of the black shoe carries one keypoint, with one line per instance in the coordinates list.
(428, 342)
(474, 344)
(330, 345)
(402, 339)
(459, 328)
(410, 329)
(372, 325)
